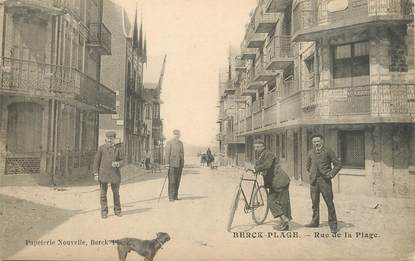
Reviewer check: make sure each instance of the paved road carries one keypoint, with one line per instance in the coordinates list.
(196, 223)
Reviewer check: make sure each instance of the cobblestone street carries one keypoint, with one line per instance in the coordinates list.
(196, 223)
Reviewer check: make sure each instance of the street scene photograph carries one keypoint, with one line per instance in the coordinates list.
(207, 130)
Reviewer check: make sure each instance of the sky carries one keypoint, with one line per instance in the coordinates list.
(195, 35)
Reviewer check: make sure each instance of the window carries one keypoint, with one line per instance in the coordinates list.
(351, 64)
(352, 149)
(309, 74)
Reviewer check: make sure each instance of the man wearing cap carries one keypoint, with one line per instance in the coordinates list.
(277, 181)
(174, 159)
(107, 164)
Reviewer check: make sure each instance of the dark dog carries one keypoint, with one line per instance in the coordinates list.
(145, 248)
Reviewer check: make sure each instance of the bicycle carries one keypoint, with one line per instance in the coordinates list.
(257, 203)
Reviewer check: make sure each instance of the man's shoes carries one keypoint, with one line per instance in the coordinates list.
(282, 227)
(104, 216)
(311, 225)
(171, 200)
(333, 230)
(118, 214)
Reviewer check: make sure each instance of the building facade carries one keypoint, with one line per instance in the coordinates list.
(123, 72)
(345, 70)
(154, 140)
(231, 105)
(50, 92)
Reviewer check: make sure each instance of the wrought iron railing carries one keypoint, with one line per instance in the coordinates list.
(39, 79)
(99, 35)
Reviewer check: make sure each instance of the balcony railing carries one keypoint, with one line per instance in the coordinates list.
(264, 22)
(270, 99)
(233, 138)
(276, 6)
(248, 123)
(254, 40)
(312, 20)
(271, 115)
(30, 78)
(248, 53)
(290, 107)
(279, 53)
(368, 103)
(375, 100)
(240, 65)
(100, 37)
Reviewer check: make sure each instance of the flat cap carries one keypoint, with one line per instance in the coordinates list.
(259, 141)
(176, 132)
(110, 134)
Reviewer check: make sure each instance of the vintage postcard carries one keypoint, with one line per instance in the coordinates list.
(207, 130)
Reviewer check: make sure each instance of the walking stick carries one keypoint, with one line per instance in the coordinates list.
(162, 188)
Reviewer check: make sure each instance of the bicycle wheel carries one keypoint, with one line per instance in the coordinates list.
(260, 205)
(234, 206)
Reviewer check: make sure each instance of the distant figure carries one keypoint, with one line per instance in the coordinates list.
(210, 157)
(107, 164)
(203, 159)
(147, 161)
(175, 161)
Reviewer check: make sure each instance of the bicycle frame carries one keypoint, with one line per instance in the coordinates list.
(248, 205)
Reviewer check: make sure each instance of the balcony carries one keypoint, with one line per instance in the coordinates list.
(312, 20)
(240, 65)
(232, 138)
(244, 88)
(248, 54)
(290, 108)
(46, 7)
(265, 22)
(100, 38)
(262, 74)
(248, 124)
(276, 6)
(27, 78)
(254, 40)
(279, 53)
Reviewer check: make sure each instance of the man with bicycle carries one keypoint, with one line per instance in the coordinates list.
(277, 182)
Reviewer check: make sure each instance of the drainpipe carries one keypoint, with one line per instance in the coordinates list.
(53, 142)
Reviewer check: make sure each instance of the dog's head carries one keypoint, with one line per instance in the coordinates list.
(163, 237)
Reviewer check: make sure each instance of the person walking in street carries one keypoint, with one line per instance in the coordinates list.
(107, 164)
(174, 157)
(277, 181)
(319, 166)
(210, 157)
(147, 161)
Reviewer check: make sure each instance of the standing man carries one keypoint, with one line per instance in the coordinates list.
(174, 159)
(277, 181)
(107, 164)
(319, 166)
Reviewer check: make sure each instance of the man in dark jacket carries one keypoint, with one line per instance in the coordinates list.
(174, 159)
(107, 164)
(277, 181)
(319, 165)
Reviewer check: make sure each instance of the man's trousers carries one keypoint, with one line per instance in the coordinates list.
(324, 187)
(174, 176)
